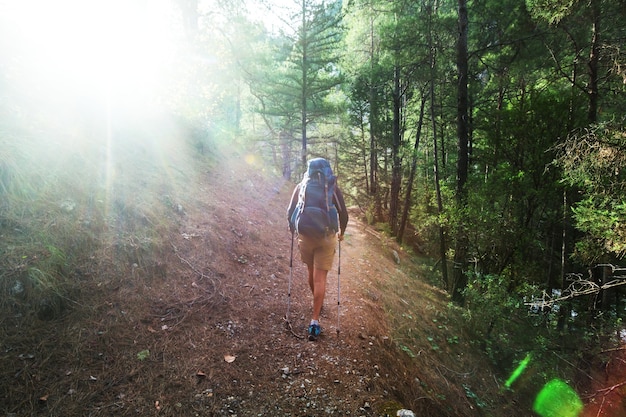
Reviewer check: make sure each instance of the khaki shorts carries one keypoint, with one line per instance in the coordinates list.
(318, 252)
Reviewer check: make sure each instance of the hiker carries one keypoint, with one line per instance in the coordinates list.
(317, 212)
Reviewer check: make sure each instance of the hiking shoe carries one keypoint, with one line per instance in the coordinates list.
(314, 331)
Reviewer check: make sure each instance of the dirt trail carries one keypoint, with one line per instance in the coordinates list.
(241, 239)
(275, 372)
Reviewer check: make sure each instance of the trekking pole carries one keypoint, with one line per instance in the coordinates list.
(288, 323)
(290, 277)
(338, 287)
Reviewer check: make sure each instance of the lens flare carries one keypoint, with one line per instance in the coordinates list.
(557, 399)
(518, 371)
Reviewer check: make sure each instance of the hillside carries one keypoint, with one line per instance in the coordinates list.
(179, 310)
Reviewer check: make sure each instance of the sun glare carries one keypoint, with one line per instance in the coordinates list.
(273, 14)
(87, 48)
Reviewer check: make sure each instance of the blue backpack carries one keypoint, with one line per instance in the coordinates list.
(315, 214)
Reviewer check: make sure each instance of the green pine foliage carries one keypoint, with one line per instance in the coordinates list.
(593, 161)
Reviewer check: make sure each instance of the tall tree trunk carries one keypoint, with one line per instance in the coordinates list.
(564, 311)
(284, 139)
(189, 10)
(304, 85)
(373, 190)
(594, 57)
(364, 154)
(442, 231)
(461, 246)
(409, 187)
(396, 168)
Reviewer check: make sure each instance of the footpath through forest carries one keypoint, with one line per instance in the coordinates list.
(197, 327)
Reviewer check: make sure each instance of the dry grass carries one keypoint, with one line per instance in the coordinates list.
(434, 367)
(67, 199)
(78, 219)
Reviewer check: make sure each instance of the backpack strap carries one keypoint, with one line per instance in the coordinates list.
(326, 194)
(302, 194)
(301, 198)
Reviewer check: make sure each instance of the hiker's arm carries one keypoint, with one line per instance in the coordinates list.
(342, 210)
(292, 205)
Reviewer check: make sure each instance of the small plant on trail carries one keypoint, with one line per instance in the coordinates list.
(453, 340)
(433, 345)
(143, 355)
(407, 350)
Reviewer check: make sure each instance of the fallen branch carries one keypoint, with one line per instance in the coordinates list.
(185, 261)
(299, 336)
(579, 287)
(608, 390)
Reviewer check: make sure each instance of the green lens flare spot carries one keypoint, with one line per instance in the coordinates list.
(557, 399)
(518, 371)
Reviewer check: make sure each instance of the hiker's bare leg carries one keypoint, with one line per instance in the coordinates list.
(319, 291)
(311, 282)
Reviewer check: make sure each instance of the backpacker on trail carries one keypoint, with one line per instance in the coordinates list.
(315, 214)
